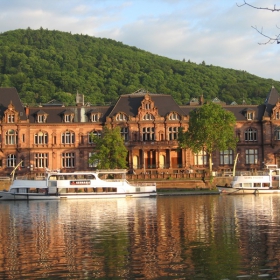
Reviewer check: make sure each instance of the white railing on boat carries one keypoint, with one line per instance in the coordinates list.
(5, 178)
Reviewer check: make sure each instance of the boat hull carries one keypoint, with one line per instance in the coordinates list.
(229, 190)
(36, 196)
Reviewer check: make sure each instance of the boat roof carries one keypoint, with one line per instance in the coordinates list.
(98, 171)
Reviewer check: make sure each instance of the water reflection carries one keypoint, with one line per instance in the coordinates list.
(192, 237)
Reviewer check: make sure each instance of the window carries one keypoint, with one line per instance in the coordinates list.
(200, 158)
(277, 133)
(11, 118)
(174, 116)
(41, 160)
(68, 160)
(251, 134)
(67, 118)
(147, 106)
(94, 117)
(173, 133)
(277, 115)
(250, 115)
(11, 137)
(23, 138)
(124, 133)
(226, 157)
(121, 117)
(148, 133)
(11, 160)
(41, 118)
(251, 156)
(68, 137)
(148, 117)
(41, 138)
(91, 134)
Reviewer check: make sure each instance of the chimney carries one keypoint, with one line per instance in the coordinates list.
(27, 111)
(201, 100)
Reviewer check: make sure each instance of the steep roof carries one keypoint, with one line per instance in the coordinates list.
(129, 104)
(272, 98)
(55, 113)
(8, 95)
(239, 111)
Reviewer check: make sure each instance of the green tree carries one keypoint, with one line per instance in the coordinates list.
(109, 151)
(210, 128)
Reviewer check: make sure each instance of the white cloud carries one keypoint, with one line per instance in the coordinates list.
(215, 31)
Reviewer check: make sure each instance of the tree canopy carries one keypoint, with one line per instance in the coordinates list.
(109, 151)
(44, 65)
(210, 128)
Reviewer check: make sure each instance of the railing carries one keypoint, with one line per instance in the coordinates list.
(5, 178)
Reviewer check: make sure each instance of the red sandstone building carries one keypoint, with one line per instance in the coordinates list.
(57, 137)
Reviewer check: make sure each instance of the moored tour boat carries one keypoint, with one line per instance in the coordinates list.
(264, 182)
(76, 185)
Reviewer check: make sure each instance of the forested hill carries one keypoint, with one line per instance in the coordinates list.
(44, 65)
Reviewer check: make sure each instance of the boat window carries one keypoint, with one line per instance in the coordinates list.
(247, 185)
(257, 185)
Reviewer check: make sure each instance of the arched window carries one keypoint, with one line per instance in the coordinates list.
(251, 134)
(174, 116)
(11, 137)
(68, 137)
(41, 138)
(148, 117)
(11, 118)
(93, 133)
(121, 117)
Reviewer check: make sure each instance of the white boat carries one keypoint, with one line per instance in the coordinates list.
(264, 182)
(76, 185)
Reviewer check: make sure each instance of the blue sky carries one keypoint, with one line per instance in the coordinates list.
(215, 31)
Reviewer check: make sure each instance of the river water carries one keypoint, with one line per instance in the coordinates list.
(176, 237)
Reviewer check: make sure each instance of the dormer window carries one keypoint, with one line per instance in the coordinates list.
(148, 106)
(121, 117)
(11, 115)
(94, 117)
(148, 117)
(40, 119)
(11, 118)
(67, 118)
(250, 115)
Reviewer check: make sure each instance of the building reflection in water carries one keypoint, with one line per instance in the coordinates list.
(211, 237)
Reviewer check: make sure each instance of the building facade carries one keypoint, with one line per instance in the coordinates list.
(57, 137)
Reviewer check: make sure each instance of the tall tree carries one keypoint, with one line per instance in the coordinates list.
(109, 151)
(210, 128)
